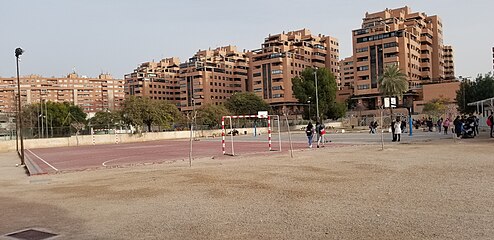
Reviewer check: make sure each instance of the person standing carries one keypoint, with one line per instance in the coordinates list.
(490, 123)
(318, 133)
(393, 130)
(477, 122)
(457, 123)
(403, 126)
(397, 129)
(309, 130)
(446, 126)
(321, 130)
(429, 124)
(439, 124)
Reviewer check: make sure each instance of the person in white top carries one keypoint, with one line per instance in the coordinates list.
(398, 129)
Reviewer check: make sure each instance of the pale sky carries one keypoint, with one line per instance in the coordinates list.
(115, 36)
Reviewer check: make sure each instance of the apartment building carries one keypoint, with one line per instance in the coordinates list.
(91, 94)
(156, 80)
(347, 77)
(212, 77)
(411, 40)
(449, 66)
(284, 56)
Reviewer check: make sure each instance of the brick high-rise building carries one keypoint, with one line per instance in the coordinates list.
(157, 80)
(212, 76)
(347, 77)
(283, 57)
(449, 65)
(411, 40)
(91, 94)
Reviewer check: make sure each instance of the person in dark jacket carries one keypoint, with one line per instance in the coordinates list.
(393, 130)
(309, 131)
(457, 123)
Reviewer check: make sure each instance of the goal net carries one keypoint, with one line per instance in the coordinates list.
(256, 142)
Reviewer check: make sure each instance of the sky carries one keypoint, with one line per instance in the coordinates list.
(115, 36)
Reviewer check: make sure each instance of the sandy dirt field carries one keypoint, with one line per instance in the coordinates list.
(432, 190)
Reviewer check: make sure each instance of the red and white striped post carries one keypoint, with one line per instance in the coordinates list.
(92, 136)
(223, 133)
(269, 132)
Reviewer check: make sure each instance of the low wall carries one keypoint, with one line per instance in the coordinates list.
(10, 145)
(327, 126)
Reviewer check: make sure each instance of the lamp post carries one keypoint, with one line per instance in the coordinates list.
(18, 52)
(309, 107)
(317, 96)
(192, 123)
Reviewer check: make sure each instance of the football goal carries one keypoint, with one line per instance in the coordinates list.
(263, 116)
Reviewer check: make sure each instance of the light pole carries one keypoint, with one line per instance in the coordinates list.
(192, 120)
(18, 52)
(309, 107)
(317, 96)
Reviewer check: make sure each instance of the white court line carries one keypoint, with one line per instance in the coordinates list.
(113, 160)
(43, 160)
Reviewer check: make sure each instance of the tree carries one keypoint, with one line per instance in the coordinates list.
(393, 83)
(106, 119)
(304, 86)
(59, 116)
(210, 115)
(472, 91)
(337, 110)
(246, 103)
(139, 111)
(435, 107)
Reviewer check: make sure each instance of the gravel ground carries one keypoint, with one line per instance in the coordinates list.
(433, 190)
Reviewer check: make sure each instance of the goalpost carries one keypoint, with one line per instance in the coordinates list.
(261, 115)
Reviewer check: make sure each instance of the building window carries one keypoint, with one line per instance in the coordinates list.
(364, 49)
(277, 72)
(363, 86)
(390, 45)
(363, 68)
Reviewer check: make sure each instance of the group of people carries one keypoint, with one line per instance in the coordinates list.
(319, 130)
(397, 127)
(466, 127)
(463, 126)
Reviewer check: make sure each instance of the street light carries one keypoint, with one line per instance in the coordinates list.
(309, 107)
(192, 120)
(317, 96)
(18, 52)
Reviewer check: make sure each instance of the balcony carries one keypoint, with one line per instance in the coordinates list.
(391, 50)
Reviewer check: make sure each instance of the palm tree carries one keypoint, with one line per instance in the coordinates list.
(393, 83)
